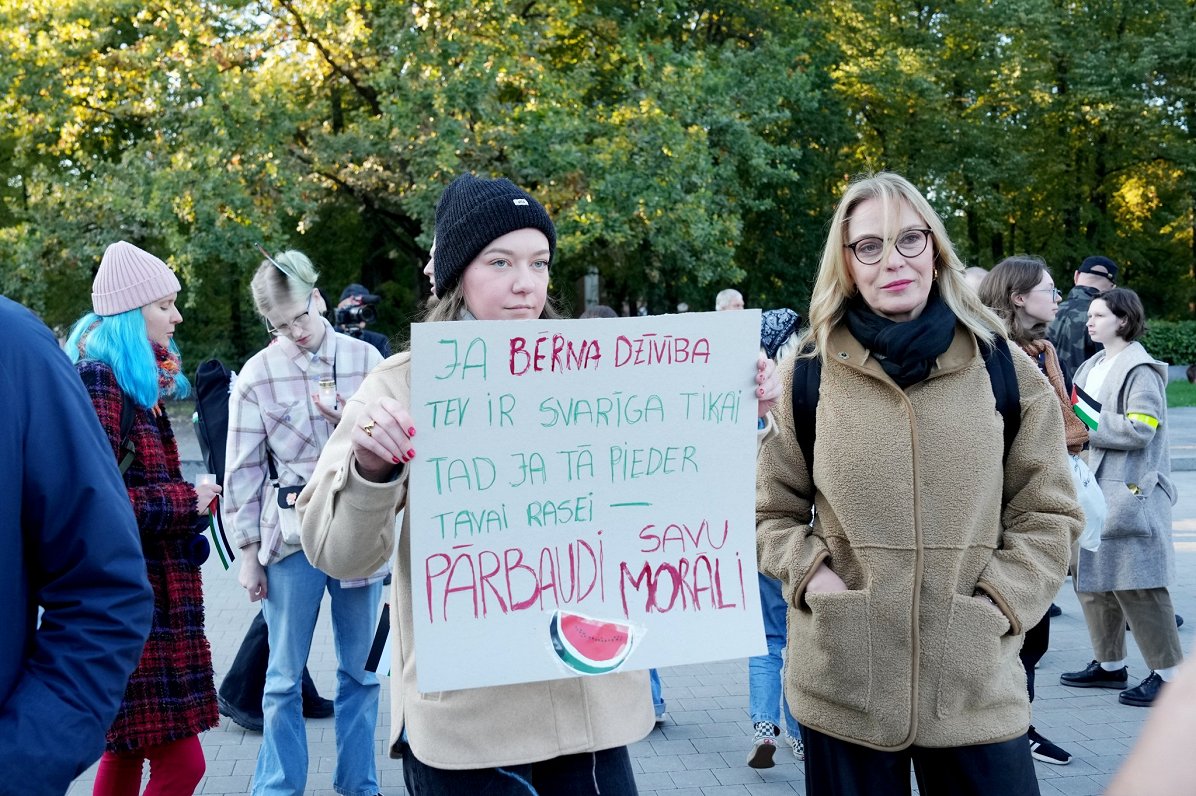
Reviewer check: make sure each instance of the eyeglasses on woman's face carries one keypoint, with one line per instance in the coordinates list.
(909, 243)
(1055, 292)
(297, 323)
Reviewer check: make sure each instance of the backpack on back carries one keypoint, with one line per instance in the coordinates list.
(807, 378)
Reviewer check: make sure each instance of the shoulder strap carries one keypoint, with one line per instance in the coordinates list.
(127, 449)
(807, 378)
(1001, 374)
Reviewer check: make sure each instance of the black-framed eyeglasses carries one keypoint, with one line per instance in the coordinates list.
(285, 329)
(909, 243)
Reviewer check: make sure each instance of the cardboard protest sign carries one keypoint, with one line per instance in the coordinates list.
(584, 497)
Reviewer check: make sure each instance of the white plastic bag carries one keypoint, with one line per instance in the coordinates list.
(1092, 501)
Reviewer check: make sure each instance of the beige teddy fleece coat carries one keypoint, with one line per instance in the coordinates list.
(914, 510)
(349, 532)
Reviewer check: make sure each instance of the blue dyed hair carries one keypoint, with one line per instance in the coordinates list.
(122, 343)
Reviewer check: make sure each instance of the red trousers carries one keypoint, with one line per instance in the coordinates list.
(175, 770)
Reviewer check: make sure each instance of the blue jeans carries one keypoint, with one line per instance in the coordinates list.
(657, 695)
(295, 589)
(766, 697)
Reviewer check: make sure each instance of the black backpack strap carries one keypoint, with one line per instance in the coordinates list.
(999, 363)
(807, 378)
(127, 450)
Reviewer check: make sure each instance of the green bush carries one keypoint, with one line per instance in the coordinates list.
(1181, 393)
(1173, 342)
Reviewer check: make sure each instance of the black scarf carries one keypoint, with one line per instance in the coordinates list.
(907, 350)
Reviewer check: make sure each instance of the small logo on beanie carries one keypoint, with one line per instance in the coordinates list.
(520, 202)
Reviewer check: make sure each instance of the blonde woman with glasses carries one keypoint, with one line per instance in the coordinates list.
(914, 550)
(279, 422)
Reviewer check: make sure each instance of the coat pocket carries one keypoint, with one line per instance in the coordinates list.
(976, 659)
(832, 648)
(1129, 506)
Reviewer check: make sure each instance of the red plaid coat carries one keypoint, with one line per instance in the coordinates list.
(171, 695)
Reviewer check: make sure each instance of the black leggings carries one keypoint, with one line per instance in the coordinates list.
(1038, 638)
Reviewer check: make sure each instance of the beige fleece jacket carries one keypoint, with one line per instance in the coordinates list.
(349, 531)
(913, 509)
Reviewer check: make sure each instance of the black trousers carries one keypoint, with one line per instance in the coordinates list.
(1038, 638)
(604, 773)
(839, 768)
(246, 679)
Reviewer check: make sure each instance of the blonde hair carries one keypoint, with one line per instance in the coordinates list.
(288, 278)
(834, 287)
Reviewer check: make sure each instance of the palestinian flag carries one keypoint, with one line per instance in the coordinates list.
(1085, 406)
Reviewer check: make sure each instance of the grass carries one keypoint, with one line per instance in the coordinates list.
(1181, 393)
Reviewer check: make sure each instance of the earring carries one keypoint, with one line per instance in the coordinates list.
(936, 272)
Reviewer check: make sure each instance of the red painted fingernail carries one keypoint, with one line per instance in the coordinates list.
(411, 454)
(411, 431)
(395, 459)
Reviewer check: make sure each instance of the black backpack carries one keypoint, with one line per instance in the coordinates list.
(213, 380)
(807, 378)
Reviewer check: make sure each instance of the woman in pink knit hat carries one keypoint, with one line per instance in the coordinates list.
(125, 353)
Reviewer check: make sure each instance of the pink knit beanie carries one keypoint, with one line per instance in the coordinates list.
(130, 278)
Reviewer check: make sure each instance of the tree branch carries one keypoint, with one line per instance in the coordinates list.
(366, 92)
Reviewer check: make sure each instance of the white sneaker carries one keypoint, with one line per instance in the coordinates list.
(799, 748)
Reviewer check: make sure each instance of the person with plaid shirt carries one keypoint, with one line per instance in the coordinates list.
(278, 424)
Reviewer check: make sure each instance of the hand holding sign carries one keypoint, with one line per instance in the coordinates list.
(770, 385)
(382, 438)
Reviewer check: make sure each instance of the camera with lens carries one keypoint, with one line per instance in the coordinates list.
(359, 313)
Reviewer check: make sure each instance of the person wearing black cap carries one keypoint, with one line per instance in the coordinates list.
(356, 295)
(494, 247)
(1068, 332)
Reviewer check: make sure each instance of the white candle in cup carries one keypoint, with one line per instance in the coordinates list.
(205, 478)
(328, 393)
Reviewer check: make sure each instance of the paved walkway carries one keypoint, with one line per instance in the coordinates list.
(701, 750)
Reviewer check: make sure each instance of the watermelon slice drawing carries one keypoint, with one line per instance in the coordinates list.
(588, 645)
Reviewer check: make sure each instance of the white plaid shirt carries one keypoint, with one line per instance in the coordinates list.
(271, 412)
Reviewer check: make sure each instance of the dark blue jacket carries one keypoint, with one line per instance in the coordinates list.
(70, 546)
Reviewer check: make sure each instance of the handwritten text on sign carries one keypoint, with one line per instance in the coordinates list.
(603, 468)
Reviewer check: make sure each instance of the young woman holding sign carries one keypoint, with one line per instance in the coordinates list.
(494, 245)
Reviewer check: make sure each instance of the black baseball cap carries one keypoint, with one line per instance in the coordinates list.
(1101, 266)
(369, 298)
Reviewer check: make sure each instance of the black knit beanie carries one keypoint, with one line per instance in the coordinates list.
(471, 213)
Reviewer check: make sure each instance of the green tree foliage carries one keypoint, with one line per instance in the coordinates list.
(681, 146)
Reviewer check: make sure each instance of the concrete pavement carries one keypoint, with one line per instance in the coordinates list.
(701, 750)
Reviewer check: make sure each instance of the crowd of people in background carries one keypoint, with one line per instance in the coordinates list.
(905, 608)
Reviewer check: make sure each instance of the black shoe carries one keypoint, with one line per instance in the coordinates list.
(1044, 750)
(251, 723)
(1143, 694)
(1093, 676)
(1054, 611)
(317, 707)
